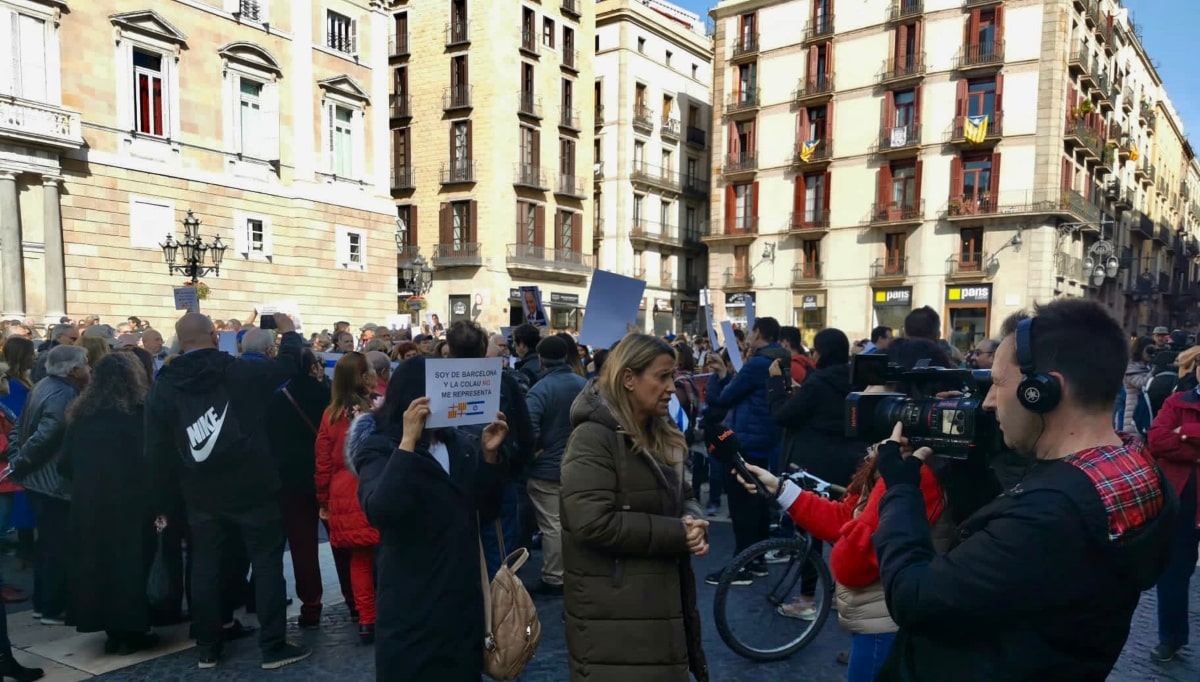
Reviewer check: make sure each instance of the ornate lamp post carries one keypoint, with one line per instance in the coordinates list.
(194, 252)
(416, 271)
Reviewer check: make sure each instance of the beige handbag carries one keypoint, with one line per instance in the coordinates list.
(510, 619)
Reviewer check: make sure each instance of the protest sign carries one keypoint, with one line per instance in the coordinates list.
(289, 308)
(462, 392)
(612, 307)
(227, 343)
(749, 314)
(735, 353)
(531, 303)
(401, 321)
(187, 298)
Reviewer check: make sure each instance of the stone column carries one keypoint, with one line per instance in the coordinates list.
(56, 293)
(12, 260)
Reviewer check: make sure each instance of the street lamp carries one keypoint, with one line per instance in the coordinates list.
(193, 250)
(418, 275)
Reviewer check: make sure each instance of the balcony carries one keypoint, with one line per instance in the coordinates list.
(693, 235)
(406, 254)
(1145, 111)
(568, 119)
(902, 70)
(670, 129)
(1079, 62)
(400, 106)
(529, 104)
(983, 207)
(1149, 174)
(1086, 141)
(249, 9)
(39, 123)
(695, 185)
(697, 137)
(398, 45)
(1162, 234)
(529, 176)
(571, 8)
(986, 134)
(529, 42)
(815, 89)
(742, 229)
(740, 164)
(647, 177)
(570, 60)
(808, 222)
(807, 275)
(457, 97)
(738, 279)
(903, 9)
(980, 3)
(458, 32)
(1127, 100)
(1102, 93)
(973, 267)
(541, 259)
(819, 29)
(745, 45)
(645, 233)
(1125, 199)
(889, 269)
(457, 255)
(570, 185)
(813, 154)
(897, 213)
(744, 101)
(643, 118)
(981, 56)
(403, 178)
(900, 140)
(457, 173)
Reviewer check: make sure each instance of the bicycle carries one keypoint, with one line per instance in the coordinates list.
(783, 608)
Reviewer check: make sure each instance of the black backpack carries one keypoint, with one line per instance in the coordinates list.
(207, 427)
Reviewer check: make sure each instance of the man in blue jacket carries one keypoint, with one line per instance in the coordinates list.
(740, 401)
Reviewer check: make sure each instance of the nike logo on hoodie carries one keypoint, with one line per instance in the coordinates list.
(204, 432)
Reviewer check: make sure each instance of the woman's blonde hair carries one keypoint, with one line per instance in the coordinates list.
(1187, 360)
(635, 353)
(96, 348)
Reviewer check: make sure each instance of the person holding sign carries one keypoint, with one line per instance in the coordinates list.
(427, 491)
(630, 525)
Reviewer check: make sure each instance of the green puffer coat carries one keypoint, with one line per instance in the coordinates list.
(629, 588)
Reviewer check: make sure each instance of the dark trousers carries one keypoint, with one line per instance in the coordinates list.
(341, 563)
(750, 513)
(52, 557)
(1173, 584)
(510, 524)
(260, 531)
(716, 481)
(5, 644)
(300, 518)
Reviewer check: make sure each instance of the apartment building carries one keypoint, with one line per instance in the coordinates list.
(850, 224)
(653, 114)
(491, 141)
(257, 118)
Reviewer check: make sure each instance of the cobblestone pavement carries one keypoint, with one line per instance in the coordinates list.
(337, 656)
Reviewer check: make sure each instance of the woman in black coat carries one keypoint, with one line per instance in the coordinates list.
(111, 522)
(426, 490)
(812, 416)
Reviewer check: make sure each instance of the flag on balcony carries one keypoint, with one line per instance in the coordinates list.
(975, 129)
(807, 149)
(1133, 154)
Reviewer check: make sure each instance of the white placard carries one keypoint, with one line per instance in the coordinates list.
(462, 392)
(749, 314)
(290, 308)
(187, 298)
(713, 343)
(228, 343)
(613, 302)
(402, 321)
(735, 353)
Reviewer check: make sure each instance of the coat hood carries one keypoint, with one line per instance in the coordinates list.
(199, 370)
(362, 428)
(836, 376)
(590, 407)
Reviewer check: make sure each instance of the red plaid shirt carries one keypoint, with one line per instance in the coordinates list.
(1127, 481)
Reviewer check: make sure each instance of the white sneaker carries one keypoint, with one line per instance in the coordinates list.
(801, 608)
(778, 556)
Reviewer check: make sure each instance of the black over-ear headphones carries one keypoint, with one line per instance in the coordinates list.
(1038, 392)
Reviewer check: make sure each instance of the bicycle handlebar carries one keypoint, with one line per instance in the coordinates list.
(807, 481)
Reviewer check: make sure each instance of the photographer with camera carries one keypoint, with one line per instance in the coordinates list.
(1042, 581)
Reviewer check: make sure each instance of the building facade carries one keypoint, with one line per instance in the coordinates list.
(921, 158)
(653, 113)
(490, 143)
(261, 118)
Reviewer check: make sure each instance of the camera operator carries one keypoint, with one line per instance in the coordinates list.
(1043, 580)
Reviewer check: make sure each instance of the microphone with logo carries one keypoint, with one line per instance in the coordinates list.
(724, 447)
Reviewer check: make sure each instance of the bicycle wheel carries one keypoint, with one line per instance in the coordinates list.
(748, 617)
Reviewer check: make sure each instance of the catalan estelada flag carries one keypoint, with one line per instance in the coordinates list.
(807, 149)
(975, 129)
(1134, 155)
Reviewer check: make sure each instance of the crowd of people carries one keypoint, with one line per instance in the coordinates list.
(124, 450)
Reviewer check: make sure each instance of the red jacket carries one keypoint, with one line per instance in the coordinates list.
(337, 488)
(853, 559)
(1178, 454)
(801, 366)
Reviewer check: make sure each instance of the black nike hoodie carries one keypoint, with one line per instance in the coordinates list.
(222, 461)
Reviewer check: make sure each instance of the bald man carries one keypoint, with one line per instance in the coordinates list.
(204, 420)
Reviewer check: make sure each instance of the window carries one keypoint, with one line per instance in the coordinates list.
(664, 214)
(970, 251)
(693, 119)
(981, 98)
(668, 108)
(815, 197)
(527, 223)
(341, 141)
(741, 262)
(664, 271)
(548, 32)
(743, 207)
(904, 185)
(402, 156)
(894, 259)
(566, 156)
(460, 152)
(351, 249)
(568, 43)
(248, 10)
(810, 251)
(639, 203)
(340, 32)
(668, 58)
(251, 236)
(27, 77)
(817, 123)
(907, 48)
(528, 150)
(567, 235)
(639, 155)
(250, 121)
(256, 235)
(747, 81)
(526, 83)
(743, 132)
(668, 164)
(150, 221)
(905, 114)
(150, 94)
(692, 170)
(976, 177)
(407, 217)
(568, 98)
(598, 102)
(528, 29)
(460, 224)
(641, 44)
(458, 11)
(696, 71)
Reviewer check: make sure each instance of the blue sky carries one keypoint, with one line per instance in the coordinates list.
(1168, 31)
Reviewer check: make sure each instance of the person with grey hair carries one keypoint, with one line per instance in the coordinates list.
(41, 428)
(60, 335)
(258, 344)
(383, 370)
